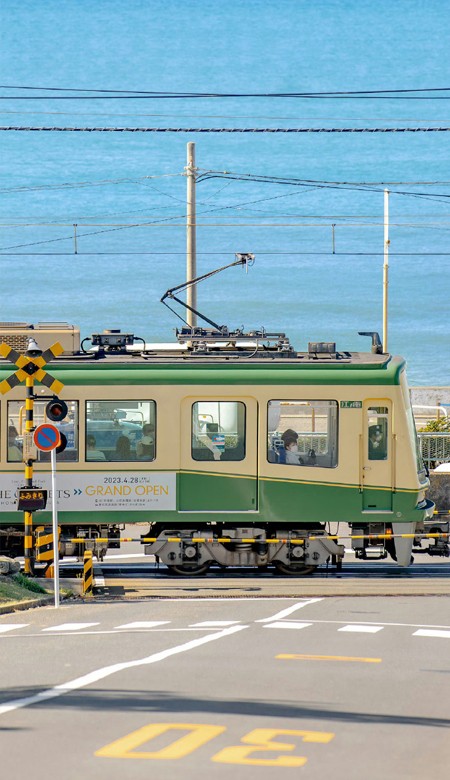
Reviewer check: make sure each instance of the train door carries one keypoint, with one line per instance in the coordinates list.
(218, 455)
(377, 456)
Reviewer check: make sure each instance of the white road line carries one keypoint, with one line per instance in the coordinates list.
(106, 671)
(380, 623)
(428, 632)
(145, 624)
(106, 632)
(287, 624)
(70, 626)
(214, 623)
(288, 610)
(356, 629)
(11, 626)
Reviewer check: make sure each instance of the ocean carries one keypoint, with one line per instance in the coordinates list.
(317, 236)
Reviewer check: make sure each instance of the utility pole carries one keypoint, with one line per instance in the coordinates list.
(386, 271)
(191, 247)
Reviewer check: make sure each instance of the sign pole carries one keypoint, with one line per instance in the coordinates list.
(55, 529)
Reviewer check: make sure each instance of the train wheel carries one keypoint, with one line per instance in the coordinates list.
(190, 569)
(294, 568)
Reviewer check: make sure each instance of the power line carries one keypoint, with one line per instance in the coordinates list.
(179, 115)
(17, 128)
(81, 184)
(265, 252)
(114, 94)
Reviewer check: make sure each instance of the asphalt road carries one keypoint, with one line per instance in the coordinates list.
(207, 688)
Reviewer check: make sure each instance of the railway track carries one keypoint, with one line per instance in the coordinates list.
(124, 580)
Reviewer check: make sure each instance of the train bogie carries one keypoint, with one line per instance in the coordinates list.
(194, 550)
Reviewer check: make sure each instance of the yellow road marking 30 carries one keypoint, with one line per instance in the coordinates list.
(198, 734)
(306, 657)
(260, 740)
(256, 741)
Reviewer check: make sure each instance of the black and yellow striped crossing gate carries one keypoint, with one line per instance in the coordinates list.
(44, 552)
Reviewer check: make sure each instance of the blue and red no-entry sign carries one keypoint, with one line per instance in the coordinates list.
(46, 437)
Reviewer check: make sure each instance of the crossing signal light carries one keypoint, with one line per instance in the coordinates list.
(62, 443)
(56, 410)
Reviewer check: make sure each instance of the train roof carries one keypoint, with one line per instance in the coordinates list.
(206, 356)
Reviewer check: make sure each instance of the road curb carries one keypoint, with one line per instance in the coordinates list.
(16, 606)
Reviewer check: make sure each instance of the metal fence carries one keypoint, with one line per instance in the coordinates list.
(434, 448)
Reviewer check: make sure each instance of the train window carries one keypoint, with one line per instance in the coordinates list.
(218, 430)
(16, 429)
(377, 428)
(120, 430)
(302, 433)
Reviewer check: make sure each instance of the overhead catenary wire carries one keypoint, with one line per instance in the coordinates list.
(273, 252)
(243, 130)
(416, 93)
(179, 115)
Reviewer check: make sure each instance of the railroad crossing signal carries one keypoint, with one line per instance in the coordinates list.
(32, 366)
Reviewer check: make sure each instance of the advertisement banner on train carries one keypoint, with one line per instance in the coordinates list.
(96, 491)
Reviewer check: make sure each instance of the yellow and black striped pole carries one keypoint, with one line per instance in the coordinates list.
(28, 516)
(88, 573)
(30, 367)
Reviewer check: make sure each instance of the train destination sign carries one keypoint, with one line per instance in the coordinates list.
(47, 437)
(351, 404)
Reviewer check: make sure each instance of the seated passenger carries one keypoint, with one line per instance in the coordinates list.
(123, 449)
(145, 448)
(291, 449)
(92, 453)
(14, 453)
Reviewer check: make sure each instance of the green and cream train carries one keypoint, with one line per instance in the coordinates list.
(235, 448)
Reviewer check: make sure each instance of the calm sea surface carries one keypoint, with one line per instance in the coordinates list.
(126, 192)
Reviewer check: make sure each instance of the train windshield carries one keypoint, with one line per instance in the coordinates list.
(411, 423)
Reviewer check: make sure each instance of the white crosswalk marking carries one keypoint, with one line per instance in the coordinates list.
(70, 626)
(361, 629)
(287, 624)
(432, 632)
(144, 624)
(11, 626)
(214, 623)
